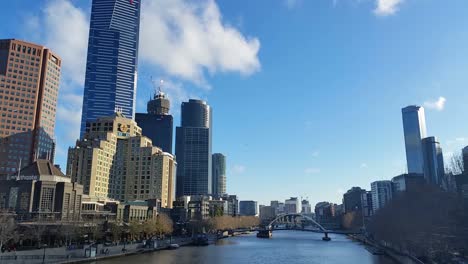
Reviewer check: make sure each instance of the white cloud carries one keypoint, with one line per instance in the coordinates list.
(238, 169)
(315, 153)
(290, 4)
(66, 29)
(312, 170)
(188, 38)
(438, 105)
(363, 165)
(387, 7)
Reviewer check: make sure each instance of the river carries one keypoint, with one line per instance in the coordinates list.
(284, 247)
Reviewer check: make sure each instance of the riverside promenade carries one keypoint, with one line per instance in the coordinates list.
(64, 255)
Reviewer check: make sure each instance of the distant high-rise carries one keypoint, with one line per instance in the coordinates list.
(414, 126)
(111, 67)
(157, 124)
(433, 161)
(352, 200)
(248, 208)
(465, 159)
(193, 149)
(292, 206)
(219, 174)
(29, 84)
(382, 193)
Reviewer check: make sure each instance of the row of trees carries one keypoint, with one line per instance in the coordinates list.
(424, 222)
(223, 223)
(37, 234)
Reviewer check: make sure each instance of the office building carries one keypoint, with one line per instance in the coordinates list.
(306, 207)
(465, 159)
(219, 174)
(40, 191)
(193, 149)
(29, 84)
(407, 182)
(267, 213)
(248, 208)
(433, 161)
(114, 160)
(157, 124)
(352, 200)
(112, 60)
(233, 204)
(292, 206)
(381, 194)
(414, 127)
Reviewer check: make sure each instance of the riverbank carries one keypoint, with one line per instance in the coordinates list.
(377, 249)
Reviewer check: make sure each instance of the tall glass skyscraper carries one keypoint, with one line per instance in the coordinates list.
(111, 67)
(193, 149)
(433, 161)
(414, 126)
(219, 174)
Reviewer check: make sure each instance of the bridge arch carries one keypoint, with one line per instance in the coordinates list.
(300, 215)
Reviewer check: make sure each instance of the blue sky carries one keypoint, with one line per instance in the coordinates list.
(306, 94)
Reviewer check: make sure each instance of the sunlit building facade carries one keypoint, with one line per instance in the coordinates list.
(29, 86)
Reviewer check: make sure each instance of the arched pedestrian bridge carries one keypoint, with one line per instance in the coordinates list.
(298, 222)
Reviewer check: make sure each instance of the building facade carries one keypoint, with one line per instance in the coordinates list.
(41, 192)
(414, 127)
(306, 207)
(29, 85)
(406, 182)
(292, 206)
(157, 124)
(112, 60)
(352, 200)
(381, 194)
(193, 149)
(248, 208)
(434, 169)
(114, 160)
(219, 174)
(267, 213)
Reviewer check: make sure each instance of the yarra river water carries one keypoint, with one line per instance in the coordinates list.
(284, 247)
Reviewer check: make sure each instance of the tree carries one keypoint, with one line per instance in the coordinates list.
(116, 229)
(7, 228)
(455, 164)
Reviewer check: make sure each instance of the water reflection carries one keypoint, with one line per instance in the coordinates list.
(285, 247)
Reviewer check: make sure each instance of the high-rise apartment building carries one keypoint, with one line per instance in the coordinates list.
(114, 160)
(193, 149)
(292, 206)
(352, 200)
(157, 124)
(382, 193)
(29, 84)
(111, 67)
(433, 161)
(414, 126)
(219, 174)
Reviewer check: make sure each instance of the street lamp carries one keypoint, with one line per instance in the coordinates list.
(43, 256)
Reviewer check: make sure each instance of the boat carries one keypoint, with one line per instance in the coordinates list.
(200, 240)
(264, 234)
(173, 246)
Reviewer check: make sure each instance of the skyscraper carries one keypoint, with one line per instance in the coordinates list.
(193, 149)
(382, 193)
(414, 126)
(433, 161)
(111, 67)
(29, 84)
(219, 174)
(157, 124)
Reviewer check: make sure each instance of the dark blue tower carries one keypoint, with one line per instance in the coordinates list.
(111, 67)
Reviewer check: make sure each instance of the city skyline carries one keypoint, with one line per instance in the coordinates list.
(330, 107)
